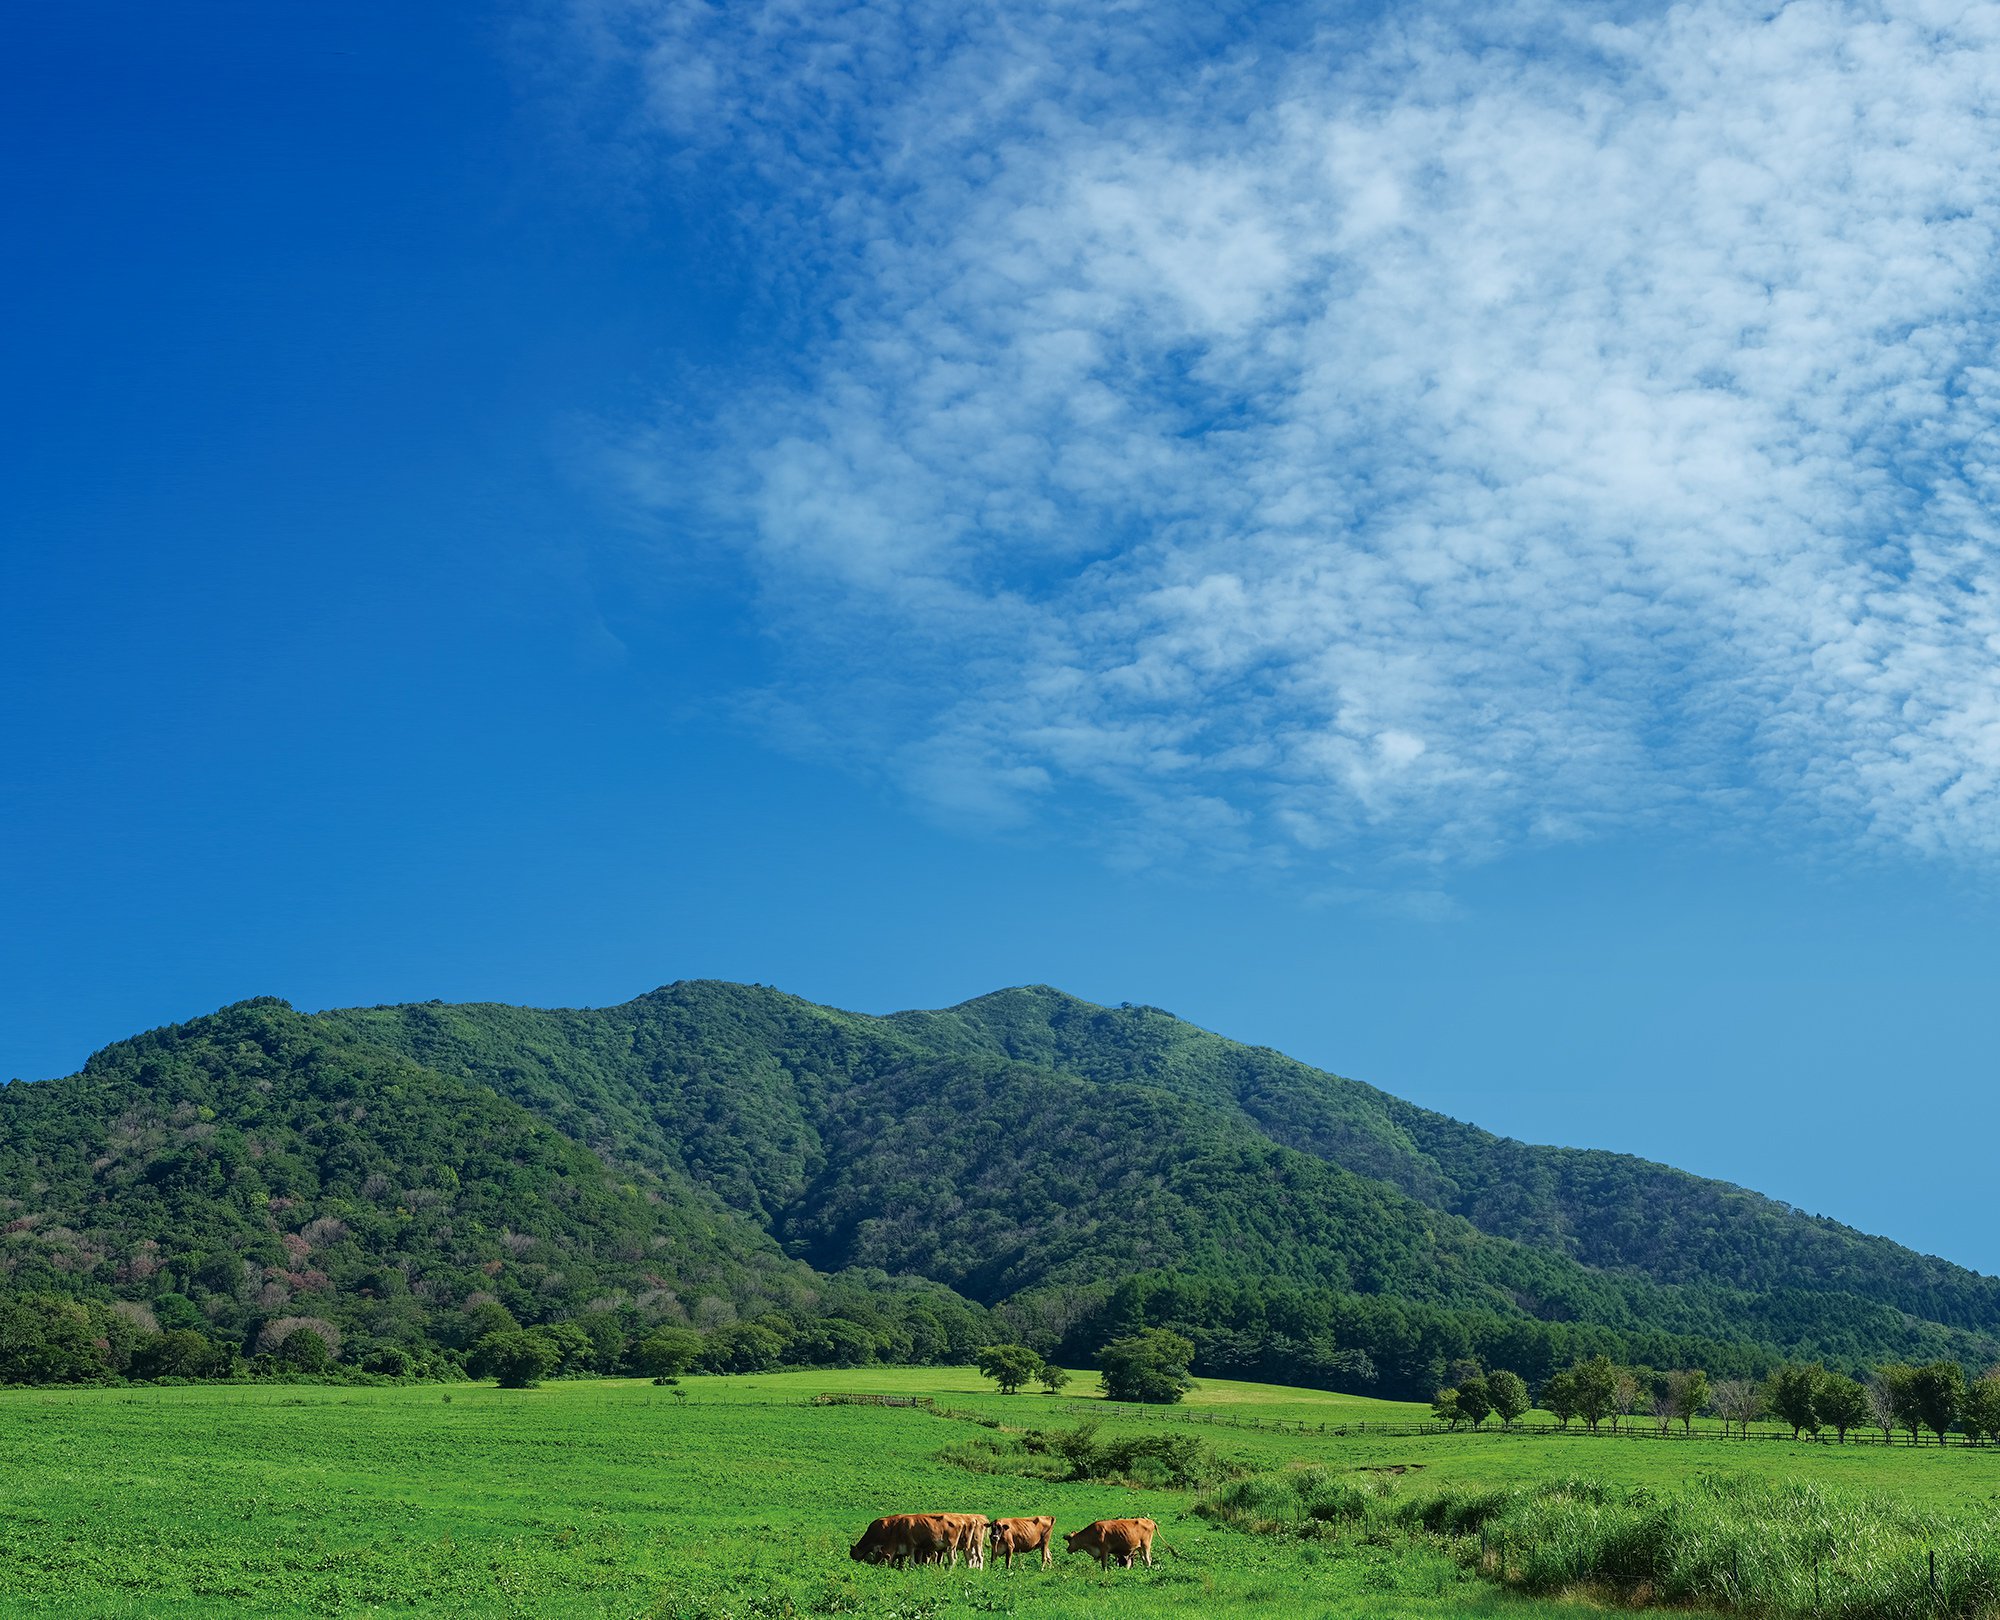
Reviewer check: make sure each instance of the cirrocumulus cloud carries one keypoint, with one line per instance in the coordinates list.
(1415, 436)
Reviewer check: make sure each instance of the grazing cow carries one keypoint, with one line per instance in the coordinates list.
(923, 1538)
(1023, 1536)
(918, 1538)
(968, 1536)
(1115, 1538)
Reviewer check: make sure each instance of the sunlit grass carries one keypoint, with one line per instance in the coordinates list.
(622, 1498)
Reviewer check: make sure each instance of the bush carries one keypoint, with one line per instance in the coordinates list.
(389, 1361)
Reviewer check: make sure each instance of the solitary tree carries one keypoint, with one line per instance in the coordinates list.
(516, 1358)
(1445, 1407)
(1052, 1378)
(1150, 1365)
(1793, 1395)
(1509, 1395)
(666, 1352)
(1842, 1404)
(1008, 1365)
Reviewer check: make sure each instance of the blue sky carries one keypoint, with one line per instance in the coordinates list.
(1461, 549)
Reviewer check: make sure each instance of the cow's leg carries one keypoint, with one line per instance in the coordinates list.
(1148, 1550)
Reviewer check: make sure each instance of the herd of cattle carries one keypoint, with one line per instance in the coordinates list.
(942, 1538)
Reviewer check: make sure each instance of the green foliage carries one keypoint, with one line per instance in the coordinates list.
(1687, 1392)
(304, 1351)
(1508, 1391)
(667, 1352)
(1008, 1365)
(1841, 1404)
(742, 1347)
(1052, 1378)
(1980, 1414)
(1792, 1395)
(1474, 1401)
(1594, 1386)
(1715, 1543)
(1163, 1461)
(1559, 1395)
(179, 1353)
(1150, 1365)
(516, 1358)
(45, 1339)
(425, 1176)
(1937, 1390)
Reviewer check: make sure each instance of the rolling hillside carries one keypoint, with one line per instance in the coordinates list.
(711, 1153)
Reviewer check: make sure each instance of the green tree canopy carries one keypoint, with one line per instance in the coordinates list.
(1597, 1384)
(516, 1358)
(1559, 1395)
(1980, 1413)
(1151, 1365)
(1842, 1404)
(667, 1352)
(1008, 1365)
(1938, 1390)
(1474, 1403)
(1508, 1392)
(1792, 1394)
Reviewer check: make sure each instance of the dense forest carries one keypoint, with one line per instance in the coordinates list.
(793, 1183)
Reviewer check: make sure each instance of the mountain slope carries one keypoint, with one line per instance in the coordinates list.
(714, 1151)
(1608, 1210)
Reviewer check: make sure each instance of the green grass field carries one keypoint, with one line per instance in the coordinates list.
(615, 1498)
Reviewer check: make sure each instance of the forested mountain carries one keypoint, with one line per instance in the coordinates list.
(713, 1154)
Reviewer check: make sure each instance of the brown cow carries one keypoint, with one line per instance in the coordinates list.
(1011, 1536)
(968, 1536)
(923, 1538)
(1115, 1538)
(916, 1537)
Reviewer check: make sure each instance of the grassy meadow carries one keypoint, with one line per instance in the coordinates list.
(618, 1499)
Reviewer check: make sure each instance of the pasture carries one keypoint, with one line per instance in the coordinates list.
(619, 1499)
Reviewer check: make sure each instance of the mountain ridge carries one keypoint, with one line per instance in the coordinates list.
(710, 1152)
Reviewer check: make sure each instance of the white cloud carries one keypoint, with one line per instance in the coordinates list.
(1409, 441)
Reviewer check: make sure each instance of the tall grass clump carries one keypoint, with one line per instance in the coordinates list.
(1782, 1548)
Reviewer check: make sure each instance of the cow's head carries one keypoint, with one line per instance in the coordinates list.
(863, 1552)
(1074, 1537)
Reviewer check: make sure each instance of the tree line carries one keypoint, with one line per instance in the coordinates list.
(1934, 1397)
(48, 1338)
